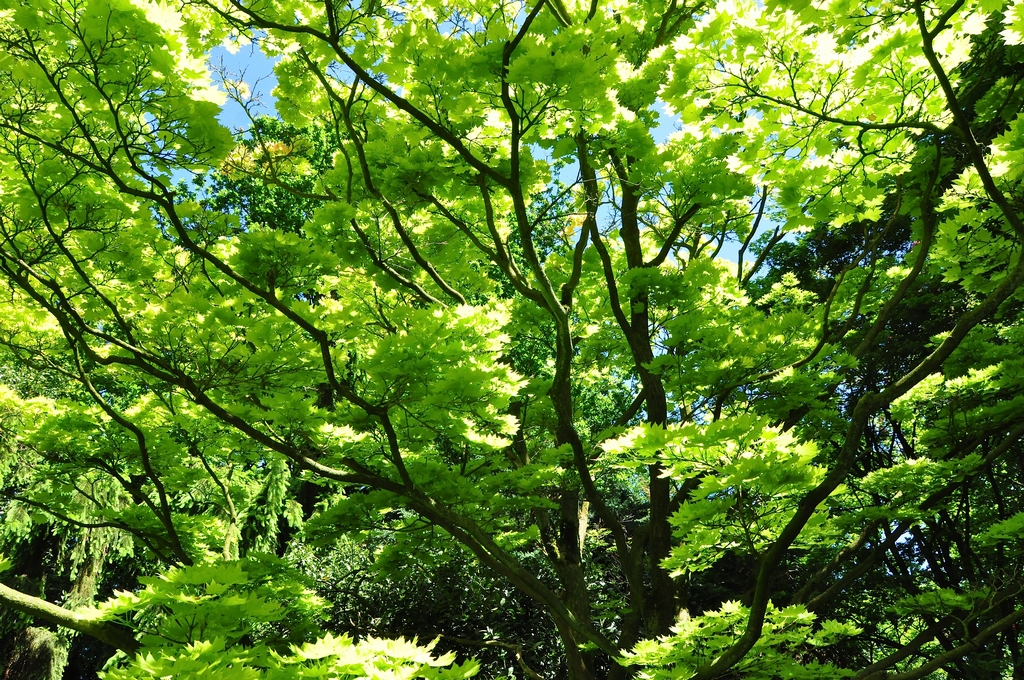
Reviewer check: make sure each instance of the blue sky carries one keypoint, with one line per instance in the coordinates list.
(250, 65)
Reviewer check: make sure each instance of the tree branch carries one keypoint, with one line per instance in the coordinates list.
(109, 633)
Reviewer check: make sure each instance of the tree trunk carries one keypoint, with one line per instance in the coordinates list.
(571, 533)
(34, 654)
(662, 600)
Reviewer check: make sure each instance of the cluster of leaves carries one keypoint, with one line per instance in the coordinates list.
(238, 620)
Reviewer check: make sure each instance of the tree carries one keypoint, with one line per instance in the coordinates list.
(467, 291)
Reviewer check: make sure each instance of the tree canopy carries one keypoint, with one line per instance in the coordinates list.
(594, 340)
